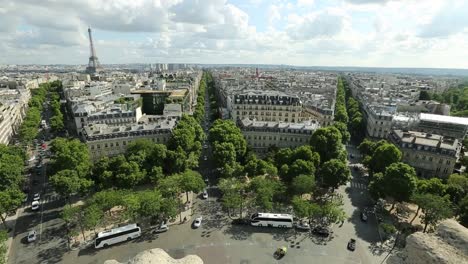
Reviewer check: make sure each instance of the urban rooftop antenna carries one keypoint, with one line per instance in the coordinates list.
(93, 65)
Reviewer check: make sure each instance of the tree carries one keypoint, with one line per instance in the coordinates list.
(424, 95)
(265, 189)
(227, 131)
(399, 182)
(343, 128)
(463, 211)
(128, 175)
(191, 181)
(71, 155)
(150, 203)
(435, 209)
(304, 153)
(232, 189)
(56, 122)
(176, 161)
(327, 142)
(92, 217)
(11, 170)
(3, 246)
(10, 200)
(106, 200)
(67, 182)
(334, 173)
(299, 167)
(383, 156)
(283, 156)
(301, 207)
(303, 184)
(73, 216)
(156, 174)
(224, 153)
(433, 186)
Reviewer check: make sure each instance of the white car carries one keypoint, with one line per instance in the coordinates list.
(205, 158)
(36, 197)
(32, 236)
(205, 146)
(197, 222)
(205, 194)
(35, 205)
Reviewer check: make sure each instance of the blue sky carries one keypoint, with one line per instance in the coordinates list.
(379, 33)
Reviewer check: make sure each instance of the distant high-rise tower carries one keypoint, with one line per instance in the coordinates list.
(93, 65)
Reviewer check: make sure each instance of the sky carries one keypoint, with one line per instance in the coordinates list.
(368, 33)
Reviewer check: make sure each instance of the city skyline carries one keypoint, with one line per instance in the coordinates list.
(365, 33)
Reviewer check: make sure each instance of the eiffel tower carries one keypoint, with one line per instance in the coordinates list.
(93, 65)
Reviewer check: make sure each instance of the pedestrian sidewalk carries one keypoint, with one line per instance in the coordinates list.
(11, 223)
(187, 210)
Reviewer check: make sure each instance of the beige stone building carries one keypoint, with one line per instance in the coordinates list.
(431, 155)
(104, 140)
(260, 135)
(266, 106)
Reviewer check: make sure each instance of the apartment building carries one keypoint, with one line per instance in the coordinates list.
(260, 135)
(13, 108)
(111, 140)
(266, 106)
(379, 120)
(105, 112)
(431, 155)
(450, 126)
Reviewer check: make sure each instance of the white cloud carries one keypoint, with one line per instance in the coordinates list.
(430, 33)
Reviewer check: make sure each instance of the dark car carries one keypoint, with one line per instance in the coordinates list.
(321, 231)
(352, 244)
(240, 222)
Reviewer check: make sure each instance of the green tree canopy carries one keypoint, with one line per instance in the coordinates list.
(303, 184)
(334, 173)
(227, 131)
(327, 142)
(383, 156)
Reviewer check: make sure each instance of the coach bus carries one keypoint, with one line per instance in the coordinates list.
(117, 235)
(272, 220)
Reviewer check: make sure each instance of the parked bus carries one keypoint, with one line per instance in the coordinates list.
(272, 220)
(117, 235)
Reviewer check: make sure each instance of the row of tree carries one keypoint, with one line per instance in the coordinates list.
(56, 121)
(12, 159)
(214, 114)
(356, 121)
(199, 113)
(29, 128)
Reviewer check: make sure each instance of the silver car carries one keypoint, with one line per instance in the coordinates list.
(32, 236)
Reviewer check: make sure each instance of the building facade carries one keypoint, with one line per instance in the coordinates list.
(269, 106)
(261, 135)
(104, 140)
(431, 155)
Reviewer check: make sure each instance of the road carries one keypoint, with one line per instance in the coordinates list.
(46, 221)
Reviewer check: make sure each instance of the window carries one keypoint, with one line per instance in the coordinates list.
(448, 162)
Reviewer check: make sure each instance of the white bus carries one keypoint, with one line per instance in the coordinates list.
(117, 235)
(272, 220)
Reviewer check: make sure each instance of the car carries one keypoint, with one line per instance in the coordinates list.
(205, 146)
(197, 222)
(352, 244)
(351, 156)
(205, 194)
(364, 216)
(35, 205)
(161, 229)
(39, 166)
(36, 197)
(32, 236)
(303, 226)
(241, 221)
(205, 158)
(321, 231)
(32, 158)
